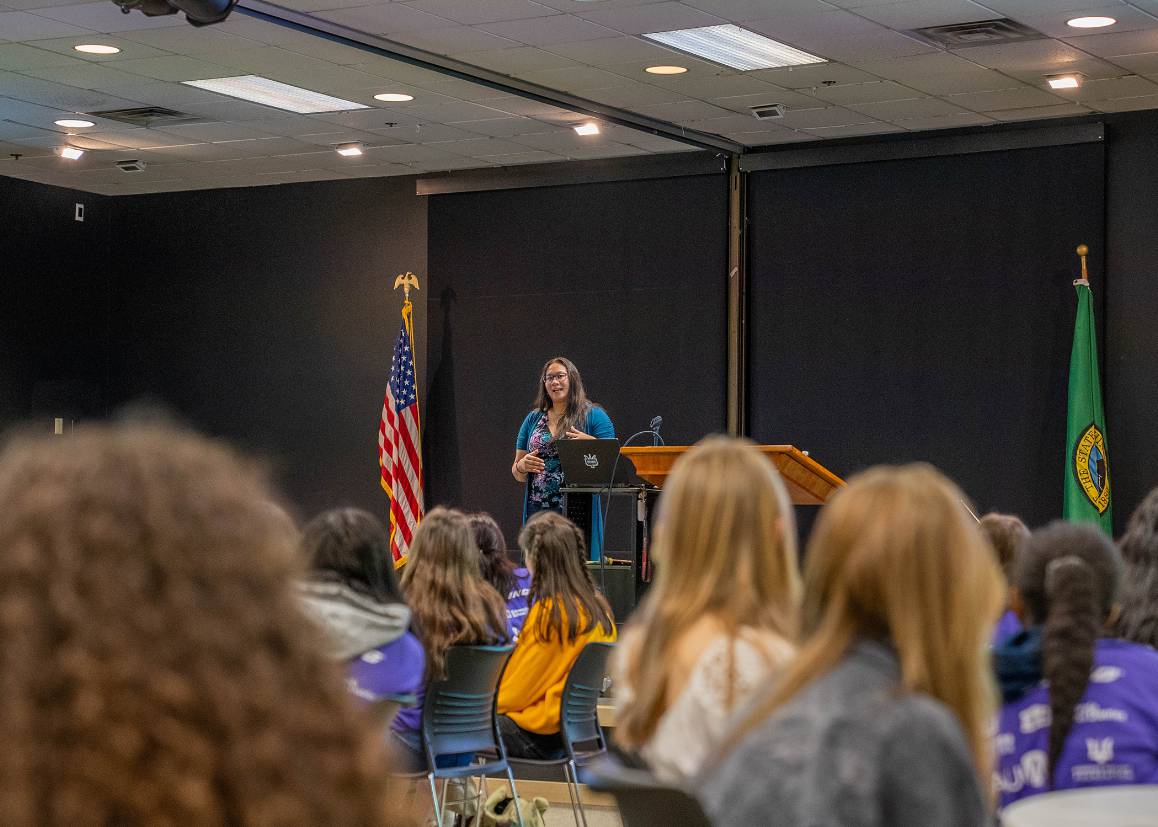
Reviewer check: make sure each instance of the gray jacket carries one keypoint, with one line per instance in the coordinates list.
(354, 623)
(851, 750)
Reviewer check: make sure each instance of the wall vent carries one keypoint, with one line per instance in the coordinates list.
(980, 33)
(148, 116)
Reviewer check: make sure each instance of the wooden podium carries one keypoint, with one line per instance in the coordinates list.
(808, 482)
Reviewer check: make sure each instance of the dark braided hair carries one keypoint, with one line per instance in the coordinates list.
(497, 568)
(1067, 576)
(1139, 546)
(557, 554)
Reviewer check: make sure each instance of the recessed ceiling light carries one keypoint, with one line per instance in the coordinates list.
(1091, 22)
(589, 128)
(70, 152)
(276, 94)
(1070, 81)
(73, 123)
(735, 47)
(666, 70)
(349, 149)
(394, 97)
(96, 49)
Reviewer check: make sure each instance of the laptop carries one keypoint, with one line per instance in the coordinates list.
(588, 462)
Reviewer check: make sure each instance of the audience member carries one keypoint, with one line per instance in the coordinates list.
(1080, 710)
(1005, 533)
(353, 591)
(1138, 620)
(513, 583)
(566, 614)
(156, 663)
(450, 604)
(882, 718)
(720, 618)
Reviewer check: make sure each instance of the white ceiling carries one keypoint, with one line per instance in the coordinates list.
(878, 80)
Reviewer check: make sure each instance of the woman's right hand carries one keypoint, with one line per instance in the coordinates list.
(531, 464)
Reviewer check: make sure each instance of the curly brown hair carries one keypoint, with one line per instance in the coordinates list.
(155, 666)
(1139, 546)
(1005, 533)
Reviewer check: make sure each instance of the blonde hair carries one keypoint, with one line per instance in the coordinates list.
(450, 603)
(895, 556)
(725, 547)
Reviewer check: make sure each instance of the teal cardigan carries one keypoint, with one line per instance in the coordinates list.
(597, 424)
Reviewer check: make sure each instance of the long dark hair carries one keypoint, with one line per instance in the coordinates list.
(1139, 546)
(556, 554)
(1067, 577)
(578, 405)
(497, 568)
(352, 547)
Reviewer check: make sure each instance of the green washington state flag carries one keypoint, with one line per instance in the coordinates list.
(1087, 479)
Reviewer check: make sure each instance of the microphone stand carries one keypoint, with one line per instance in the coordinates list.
(604, 510)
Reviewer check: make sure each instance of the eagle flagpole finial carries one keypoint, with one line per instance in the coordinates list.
(406, 281)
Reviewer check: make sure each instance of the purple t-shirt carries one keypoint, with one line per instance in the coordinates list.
(518, 603)
(394, 669)
(1114, 738)
(1008, 626)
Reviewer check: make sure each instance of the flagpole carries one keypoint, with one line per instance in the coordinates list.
(1082, 252)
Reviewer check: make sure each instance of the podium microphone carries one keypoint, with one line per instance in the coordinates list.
(654, 425)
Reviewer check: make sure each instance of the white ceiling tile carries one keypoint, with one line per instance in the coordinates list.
(1018, 9)
(138, 138)
(1113, 44)
(190, 40)
(411, 153)
(1038, 112)
(951, 121)
(18, 57)
(941, 73)
(1019, 98)
(872, 92)
(482, 11)
(427, 133)
(173, 68)
(85, 76)
(787, 136)
(840, 35)
(454, 39)
(1091, 67)
(1109, 89)
(633, 95)
(804, 77)
(980, 80)
(543, 31)
(683, 111)
(1126, 104)
(387, 18)
(611, 50)
(528, 157)
(129, 49)
(517, 60)
(481, 147)
(450, 164)
(1143, 64)
(576, 78)
(916, 14)
(585, 5)
(830, 116)
(614, 150)
(26, 5)
(703, 86)
(198, 133)
(455, 111)
(739, 123)
(655, 17)
(774, 94)
(1030, 55)
(894, 111)
(57, 95)
(850, 130)
(562, 140)
(19, 25)
(107, 17)
(740, 10)
(504, 127)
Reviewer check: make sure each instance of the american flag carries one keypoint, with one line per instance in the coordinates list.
(399, 443)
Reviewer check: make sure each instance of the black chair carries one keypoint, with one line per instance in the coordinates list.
(579, 720)
(643, 800)
(458, 717)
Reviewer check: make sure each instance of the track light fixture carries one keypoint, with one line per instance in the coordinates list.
(197, 12)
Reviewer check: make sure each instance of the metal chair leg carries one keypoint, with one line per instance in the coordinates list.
(515, 796)
(572, 773)
(434, 799)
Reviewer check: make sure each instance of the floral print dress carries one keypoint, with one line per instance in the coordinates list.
(544, 486)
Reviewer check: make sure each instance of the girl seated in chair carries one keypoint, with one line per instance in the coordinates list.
(566, 614)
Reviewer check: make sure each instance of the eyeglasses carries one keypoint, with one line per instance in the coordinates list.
(554, 377)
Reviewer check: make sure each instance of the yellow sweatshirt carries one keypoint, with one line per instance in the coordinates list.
(533, 682)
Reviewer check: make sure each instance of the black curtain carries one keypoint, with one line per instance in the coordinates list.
(922, 310)
(627, 279)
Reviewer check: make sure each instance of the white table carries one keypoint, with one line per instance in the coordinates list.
(1122, 806)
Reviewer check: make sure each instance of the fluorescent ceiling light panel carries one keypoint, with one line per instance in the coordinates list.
(587, 129)
(70, 152)
(1065, 81)
(735, 47)
(276, 94)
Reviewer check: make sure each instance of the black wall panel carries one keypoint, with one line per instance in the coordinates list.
(627, 279)
(266, 315)
(53, 304)
(923, 310)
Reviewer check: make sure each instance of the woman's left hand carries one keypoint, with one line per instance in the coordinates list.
(575, 433)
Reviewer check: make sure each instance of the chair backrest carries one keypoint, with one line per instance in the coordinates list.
(458, 715)
(578, 706)
(643, 801)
